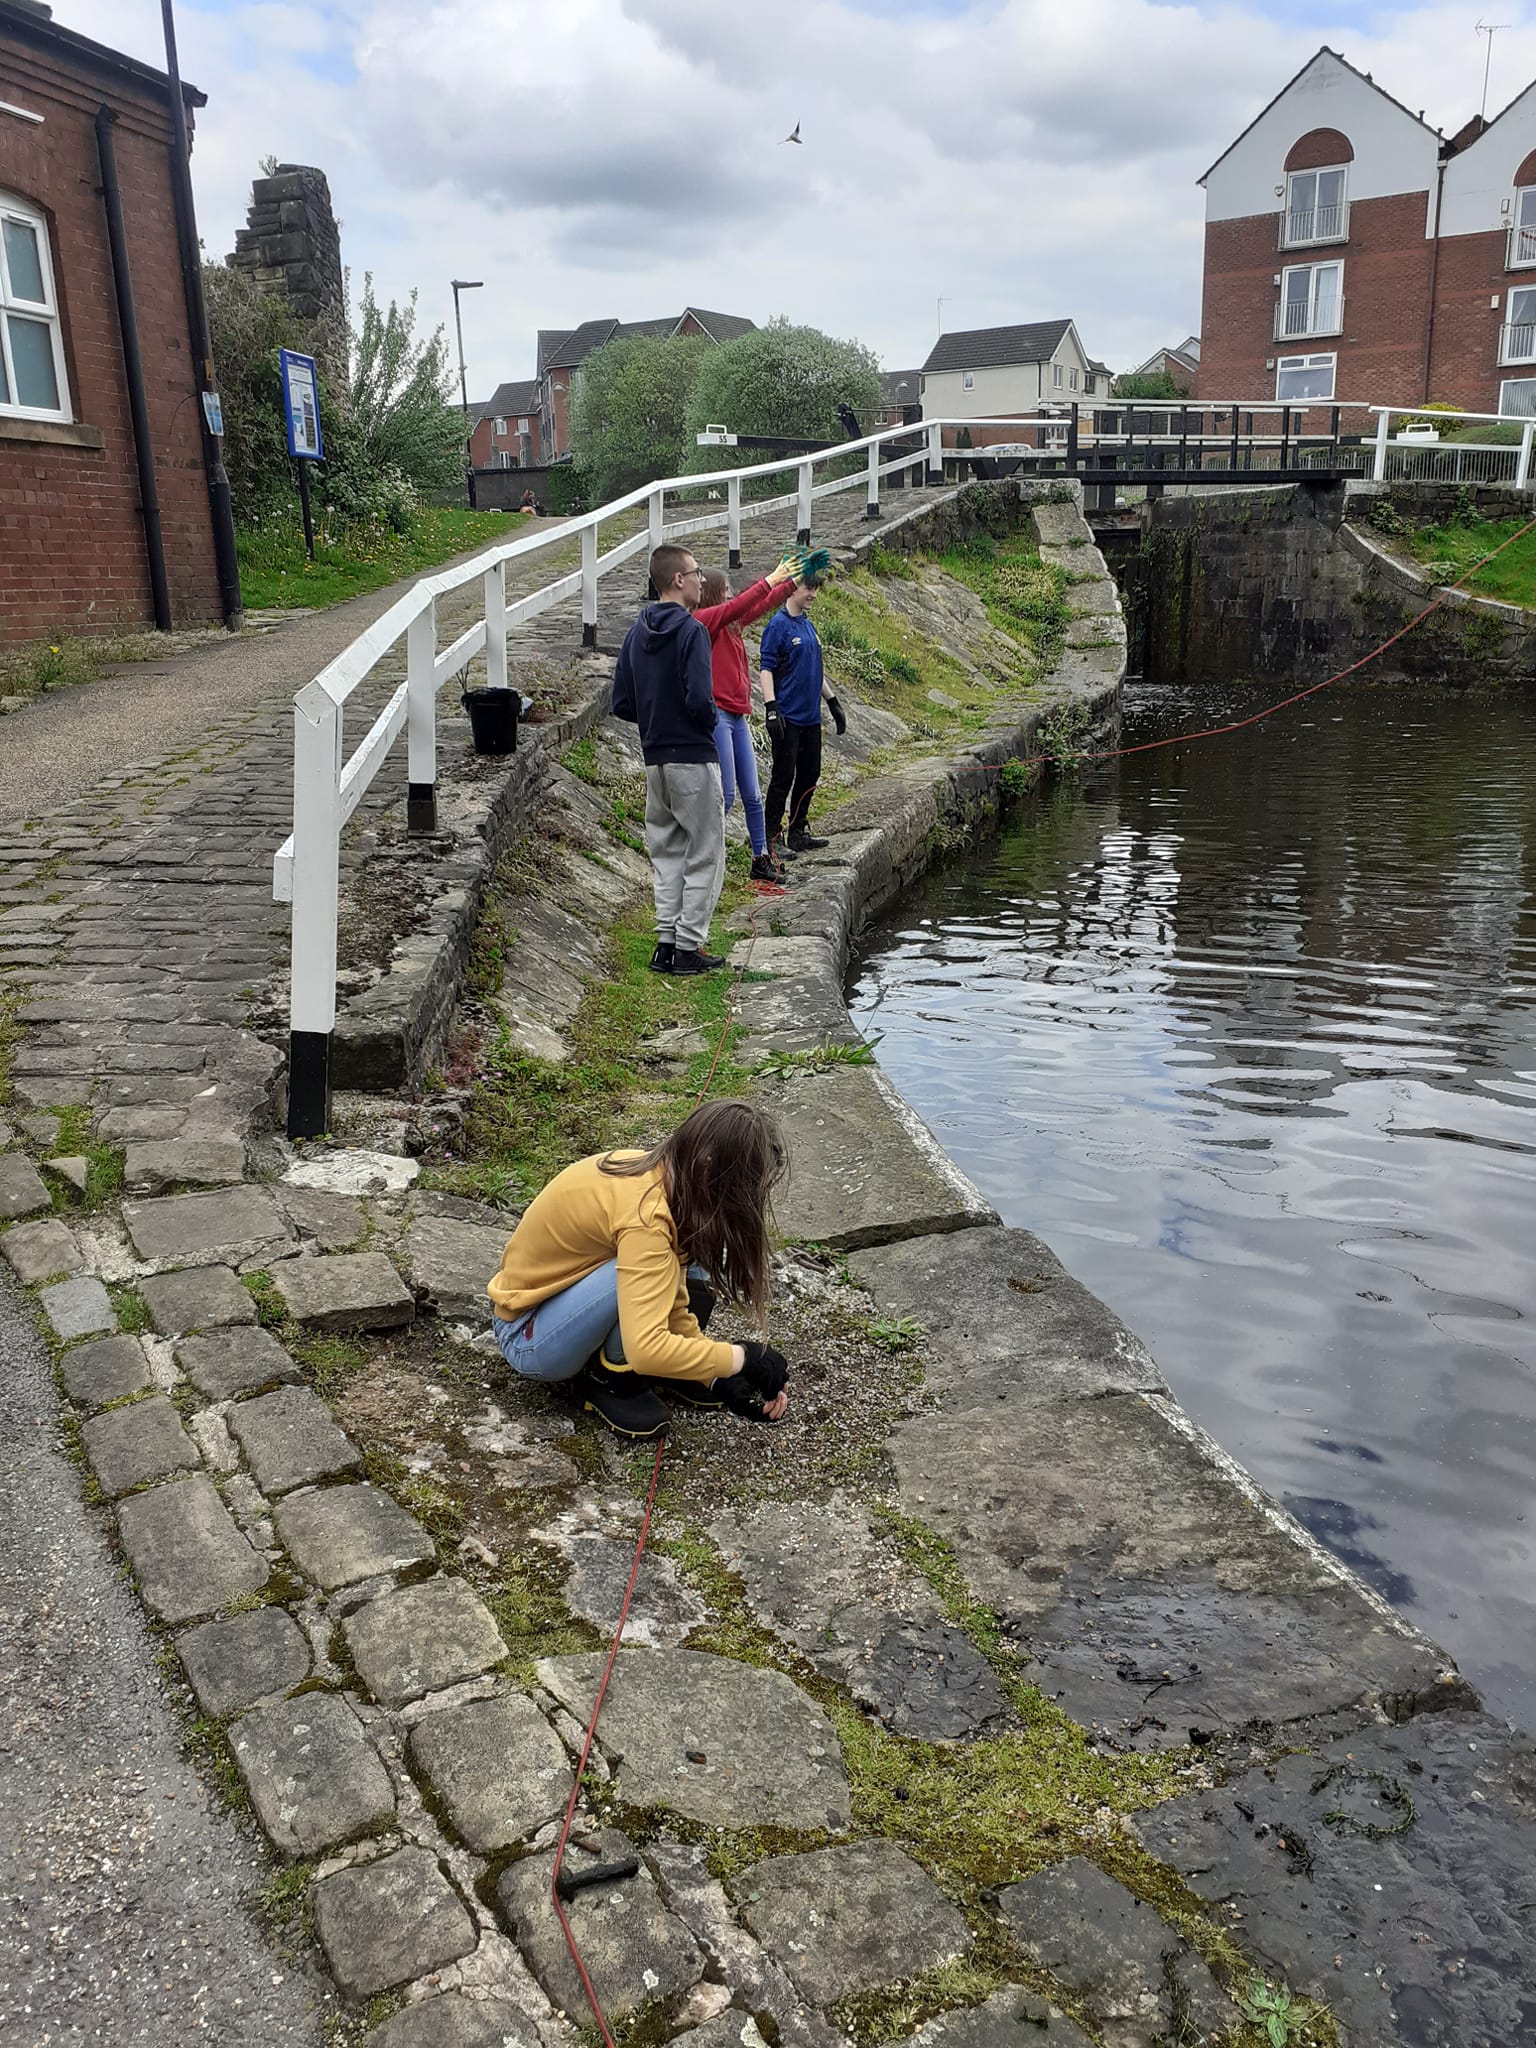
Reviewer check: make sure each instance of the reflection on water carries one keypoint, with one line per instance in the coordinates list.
(1246, 1030)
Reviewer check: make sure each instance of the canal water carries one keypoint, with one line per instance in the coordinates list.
(1245, 1029)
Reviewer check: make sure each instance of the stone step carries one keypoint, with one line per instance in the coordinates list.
(345, 1291)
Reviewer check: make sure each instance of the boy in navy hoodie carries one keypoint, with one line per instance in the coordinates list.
(664, 684)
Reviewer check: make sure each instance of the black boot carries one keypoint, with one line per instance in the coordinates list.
(662, 958)
(765, 868)
(623, 1400)
(690, 960)
(801, 841)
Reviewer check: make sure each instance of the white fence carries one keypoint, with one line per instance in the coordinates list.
(327, 788)
(1416, 453)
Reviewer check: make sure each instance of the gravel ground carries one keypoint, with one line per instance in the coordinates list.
(122, 1880)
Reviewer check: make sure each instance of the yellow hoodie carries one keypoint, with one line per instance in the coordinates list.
(578, 1222)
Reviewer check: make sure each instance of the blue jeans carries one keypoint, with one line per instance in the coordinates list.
(738, 770)
(555, 1340)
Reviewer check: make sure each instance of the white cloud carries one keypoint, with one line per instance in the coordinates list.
(1025, 158)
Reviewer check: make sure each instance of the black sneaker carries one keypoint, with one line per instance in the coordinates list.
(781, 850)
(801, 841)
(661, 959)
(765, 868)
(623, 1400)
(689, 1393)
(689, 960)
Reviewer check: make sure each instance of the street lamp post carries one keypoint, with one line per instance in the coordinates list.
(464, 284)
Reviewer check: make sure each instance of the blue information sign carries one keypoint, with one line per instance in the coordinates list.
(301, 405)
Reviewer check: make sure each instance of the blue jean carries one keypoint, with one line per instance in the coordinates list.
(555, 1340)
(738, 770)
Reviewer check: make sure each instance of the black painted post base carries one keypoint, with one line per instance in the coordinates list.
(421, 807)
(803, 537)
(935, 477)
(872, 511)
(309, 1083)
(735, 558)
(589, 634)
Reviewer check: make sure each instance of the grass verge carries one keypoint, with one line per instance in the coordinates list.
(275, 573)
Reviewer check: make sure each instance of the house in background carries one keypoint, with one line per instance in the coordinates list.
(75, 543)
(985, 371)
(1182, 364)
(561, 354)
(505, 434)
(901, 397)
(1353, 254)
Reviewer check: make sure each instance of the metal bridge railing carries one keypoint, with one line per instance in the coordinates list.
(1415, 453)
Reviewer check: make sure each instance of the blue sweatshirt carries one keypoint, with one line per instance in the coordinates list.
(664, 683)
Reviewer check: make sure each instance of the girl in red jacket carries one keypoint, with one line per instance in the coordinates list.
(722, 617)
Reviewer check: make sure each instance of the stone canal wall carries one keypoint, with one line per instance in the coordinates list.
(1293, 583)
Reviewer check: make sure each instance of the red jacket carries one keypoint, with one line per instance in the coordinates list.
(728, 654)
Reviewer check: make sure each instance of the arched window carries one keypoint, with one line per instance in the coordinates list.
(1316, 189)
(1522, 223)
(32, 381)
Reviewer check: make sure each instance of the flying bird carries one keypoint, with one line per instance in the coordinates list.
(795, 137)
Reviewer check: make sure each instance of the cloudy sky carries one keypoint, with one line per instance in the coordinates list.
(1020, 159)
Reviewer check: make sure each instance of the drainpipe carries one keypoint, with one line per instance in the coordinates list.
(225, 559)
(1434, 272)
(133, 366)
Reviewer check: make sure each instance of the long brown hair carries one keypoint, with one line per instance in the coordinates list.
(715, 589)
(719, 1168)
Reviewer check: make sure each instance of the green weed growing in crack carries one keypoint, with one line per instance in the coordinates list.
(821, 1059)
(1282, 2019)
(896, 1333)
(130, 1307)
(270, 1312)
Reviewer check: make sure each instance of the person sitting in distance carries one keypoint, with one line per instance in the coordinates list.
(610, 1278)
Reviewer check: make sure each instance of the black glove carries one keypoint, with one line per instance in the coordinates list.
(773, 718)
(839, 716)
(765, 1371)
(741, 1399)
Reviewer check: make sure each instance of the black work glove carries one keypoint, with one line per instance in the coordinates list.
(741, 1399)
(839, 716)
(774, 720)
(765, 1371)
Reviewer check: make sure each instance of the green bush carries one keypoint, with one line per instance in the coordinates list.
(629, 413)
(779, 379)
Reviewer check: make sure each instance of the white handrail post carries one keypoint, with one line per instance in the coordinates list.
(316, 878)
(1380, 470)
(495, 627)
(421, 719)
(733, 520)
(589, 585)
(1523, 466)
(872, 508)
(935, 454)
(803, 506)
(656, 506)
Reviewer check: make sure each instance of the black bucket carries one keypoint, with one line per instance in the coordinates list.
(493, 719)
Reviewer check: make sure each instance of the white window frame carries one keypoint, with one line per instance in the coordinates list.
(1523, 351)
(1071, 380)
(501, 426)
(1509, 384)
(968, 380)
(522, 426)
(1521, 254)
(1336, 319)
(1305, 363)
(1055, 376)
(1340, 231)
(12, 208)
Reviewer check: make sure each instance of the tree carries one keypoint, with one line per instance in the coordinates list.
(629, 411)
(1153, 384)
(248, 325)
(400, 413)
(780, 379)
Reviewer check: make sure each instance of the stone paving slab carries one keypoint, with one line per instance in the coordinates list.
(225, 1228)
(496, 1765)
(1010, 2018)
(188, 1556)
(419, 1638)
(724, 1743)
(850, 1918)
(196, 1298)
(346, 1291)
(449, 1265)
(314, 1778)
(110, 1369)
(334, 1222)
(452, 2021)
(153, 1165)
(78, 1308)
(384, 1923)
(21, 1189)
(635, 1950)
(863, 1169)
(289, 1440)
(338, 1535)
(234, 1361)
(129, 1446)
(233, 1664)
(45, 1250)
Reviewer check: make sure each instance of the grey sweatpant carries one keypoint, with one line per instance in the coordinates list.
(685, 836)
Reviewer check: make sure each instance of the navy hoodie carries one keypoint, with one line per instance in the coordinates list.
(664, 684)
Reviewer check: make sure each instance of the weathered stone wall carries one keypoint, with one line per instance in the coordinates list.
(1291, 583)
(292, 245)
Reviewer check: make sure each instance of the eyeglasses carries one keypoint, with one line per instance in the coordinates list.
(694, 571)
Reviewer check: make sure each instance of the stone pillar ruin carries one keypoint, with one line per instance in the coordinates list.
(291, 245)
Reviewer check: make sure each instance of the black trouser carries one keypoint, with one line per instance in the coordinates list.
(796, 772)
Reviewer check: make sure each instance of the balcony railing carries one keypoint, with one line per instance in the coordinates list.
(1296, 319)
(1517, 342)
(1521, 253)
(1305, 228)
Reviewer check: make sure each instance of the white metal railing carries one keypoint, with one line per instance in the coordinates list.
(1517, 342)
(327, 788)
(1520, 253)
(1295, 318)
(1416, 454)
(1306, 227)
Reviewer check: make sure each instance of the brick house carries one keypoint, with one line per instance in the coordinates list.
(901, 397)
(1354, 254)
(1040, 365)
(561, 353)
(1182, 364)
(73, 537)
(505, 434)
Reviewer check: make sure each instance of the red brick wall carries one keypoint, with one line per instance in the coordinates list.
(1386, 293)
(1464, 363)
(71, 538)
